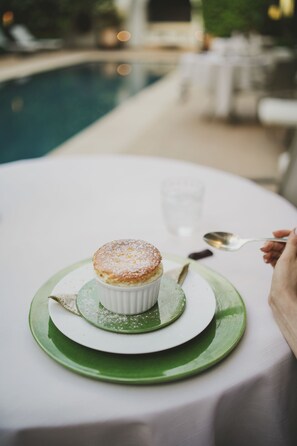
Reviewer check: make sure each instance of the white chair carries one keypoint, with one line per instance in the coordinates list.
(25, 39)
(275, 111)
(8, 46)
(283, 112)
(288, 185)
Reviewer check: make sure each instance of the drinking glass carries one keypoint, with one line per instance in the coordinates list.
(182, 200)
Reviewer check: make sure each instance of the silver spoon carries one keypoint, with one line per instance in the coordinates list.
(232, 242)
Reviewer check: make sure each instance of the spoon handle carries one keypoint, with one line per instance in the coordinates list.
(270, 239)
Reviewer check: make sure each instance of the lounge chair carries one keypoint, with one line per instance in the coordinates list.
(288, 186)
(283, 112)
(23, 37)
(8, 46)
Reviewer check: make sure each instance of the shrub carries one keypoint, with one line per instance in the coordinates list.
(224, 16)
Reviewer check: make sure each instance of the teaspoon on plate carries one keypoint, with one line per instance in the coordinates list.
(232, 242)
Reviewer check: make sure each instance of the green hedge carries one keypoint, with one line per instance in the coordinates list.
(221, 17)
(46, 18)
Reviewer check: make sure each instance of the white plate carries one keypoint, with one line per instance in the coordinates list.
(199, 311)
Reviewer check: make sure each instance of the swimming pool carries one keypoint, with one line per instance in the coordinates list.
(40, 112)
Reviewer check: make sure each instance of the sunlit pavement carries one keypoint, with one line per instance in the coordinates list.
(157, 122)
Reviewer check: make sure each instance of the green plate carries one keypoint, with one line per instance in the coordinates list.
(171, 304)
(205, 350)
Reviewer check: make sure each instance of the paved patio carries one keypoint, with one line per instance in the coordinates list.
(156, 122)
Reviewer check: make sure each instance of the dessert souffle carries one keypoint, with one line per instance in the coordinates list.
(129, 274)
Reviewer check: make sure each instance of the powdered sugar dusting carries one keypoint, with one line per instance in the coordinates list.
(114, 321)
(126, 260)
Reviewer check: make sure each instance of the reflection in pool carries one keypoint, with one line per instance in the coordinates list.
(41, 112)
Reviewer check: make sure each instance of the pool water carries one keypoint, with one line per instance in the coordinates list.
(41, 112)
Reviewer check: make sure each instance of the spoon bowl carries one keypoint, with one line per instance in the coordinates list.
(232, 242)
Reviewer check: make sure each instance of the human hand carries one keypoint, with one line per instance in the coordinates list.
(273, 250)
(284, 279)
(283, 291)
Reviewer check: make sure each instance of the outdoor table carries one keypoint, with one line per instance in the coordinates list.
(56, 211)
(223, 75)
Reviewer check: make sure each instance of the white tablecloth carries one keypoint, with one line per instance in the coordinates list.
(57, 211)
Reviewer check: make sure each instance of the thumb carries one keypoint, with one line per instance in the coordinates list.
(291, 245)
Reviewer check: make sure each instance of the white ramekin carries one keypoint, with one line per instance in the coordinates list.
(129, 299)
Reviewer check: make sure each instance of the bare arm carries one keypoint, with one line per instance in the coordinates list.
(283, 292)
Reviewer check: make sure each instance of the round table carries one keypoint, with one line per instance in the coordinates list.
(57, 211)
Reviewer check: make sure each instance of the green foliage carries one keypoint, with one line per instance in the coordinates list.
(107, 14)
(53, 17)
(221, 17)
